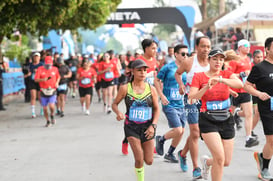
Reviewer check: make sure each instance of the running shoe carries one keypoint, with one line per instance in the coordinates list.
(170, 158)
(265, 175)
(83, 109)
(205, 167)
(196, 174)
(87, 112)
(183, 162)
(124, 148)
(61, 114)
(254, 135)
(109, 110)
(33, 115)
(58, 112)
(47, 124)
(259, 160)
(53, 120)
(104, 108)
(73, 95)
(41, 112)
(159, 146)
(251, 142)
(237, 118)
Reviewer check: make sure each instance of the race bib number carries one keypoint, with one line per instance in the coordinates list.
(85, 81)
(175, 95)
(73, 69)
(271, 103)
(218, 105)
(109, 75)
(150, 80)
(140, 114)
(32, 76)
(122, 71)
(62, 87)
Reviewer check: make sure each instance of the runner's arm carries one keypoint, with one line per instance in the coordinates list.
(120, 96)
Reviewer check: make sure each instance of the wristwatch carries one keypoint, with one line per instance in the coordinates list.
(154, 126)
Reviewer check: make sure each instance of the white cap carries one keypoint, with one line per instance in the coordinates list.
(36, 54)
(243, 42)
(139, 51)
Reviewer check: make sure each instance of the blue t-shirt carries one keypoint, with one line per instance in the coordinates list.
(33, 69)
(170, 86)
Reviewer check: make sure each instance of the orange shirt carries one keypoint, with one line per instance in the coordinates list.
(152, 64)
(88, 75)
(95, 66)
(42, 73)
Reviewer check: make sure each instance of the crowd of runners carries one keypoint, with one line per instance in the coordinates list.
(209, 89)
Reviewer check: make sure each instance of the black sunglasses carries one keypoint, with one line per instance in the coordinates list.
(183, 54)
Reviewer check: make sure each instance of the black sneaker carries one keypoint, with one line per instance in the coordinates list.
(62, 114)
(251, 142)
(171, 158)
(159, 146)
(254, 135)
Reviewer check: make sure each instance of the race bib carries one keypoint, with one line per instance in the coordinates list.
(140, 114)
(122, 71)
(73, 69)
(271, 103)
(109, 75)
(175, 95)
(62, 87)
(85, 81)
(150, 80)
(32, 76)
(218, 105)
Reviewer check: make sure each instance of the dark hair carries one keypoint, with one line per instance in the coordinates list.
(197, 42)
(258, 51)
(170, 48)
(178, 47)
(268, 42)
(146, 43)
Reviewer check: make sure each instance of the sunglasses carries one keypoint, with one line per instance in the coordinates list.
(246, 45)
(184, 54)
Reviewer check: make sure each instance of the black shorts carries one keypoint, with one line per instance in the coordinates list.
(73, 78)
(116, 81)
(85, 91)
(267, 120)
(34, 85)
(242, 98)
(254, 99)
(224, 128)
(98, 85)
(137, 130)
(105, 84)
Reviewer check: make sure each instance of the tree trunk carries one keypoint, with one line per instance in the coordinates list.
(204, 9)
(221, 6)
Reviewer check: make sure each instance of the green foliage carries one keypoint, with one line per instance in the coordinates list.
(42, 15)
(163, 31)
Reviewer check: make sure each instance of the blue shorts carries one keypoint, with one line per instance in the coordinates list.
(48, 100)
(176, 116)
(192, 111)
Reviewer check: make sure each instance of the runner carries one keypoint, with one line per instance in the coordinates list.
(257, 58)
(141, 116)
(107, 74)
(73, 64)
(197, 63)
(48, 78)
(116, 71)
(172, 103)
(34, 86)
(260, 84)
(65, 74)
(215, 120)
(86, 76)
(241, 69)
(149, 48)
(96, 66)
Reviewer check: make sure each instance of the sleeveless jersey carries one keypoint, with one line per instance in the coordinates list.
(139, 107)
(196, 67)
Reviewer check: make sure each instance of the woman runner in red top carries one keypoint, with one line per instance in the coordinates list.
(215, 121)
(87, 77)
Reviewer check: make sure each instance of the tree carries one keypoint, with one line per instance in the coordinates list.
(42, 15)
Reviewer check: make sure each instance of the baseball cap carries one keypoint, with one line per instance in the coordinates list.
(139, 51)
(48, 60)
(244, 43)
(36, 54)
(138, 64)
(216, 51)
(60, 60)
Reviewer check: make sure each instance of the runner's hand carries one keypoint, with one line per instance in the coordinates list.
(164, 100)
(150, 132)
(182, 90)
(264, 96)
(120, 116)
